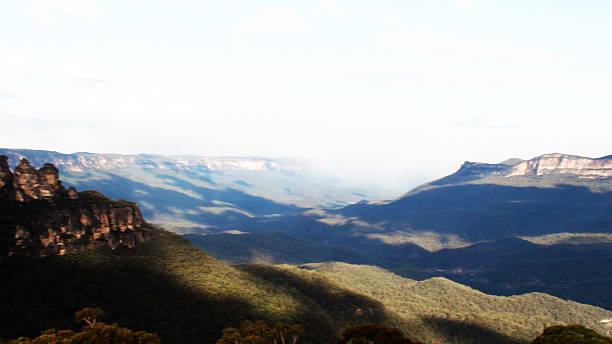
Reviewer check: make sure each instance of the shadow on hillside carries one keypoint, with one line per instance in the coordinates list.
(37, 294)
(357, 308)
(511, 266)
(342, 306)
(467, 333)
(163, 287)
(176, 205)
(273, 248)
(254, 204)
(489, 211)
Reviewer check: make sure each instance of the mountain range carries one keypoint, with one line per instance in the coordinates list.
(81, 249)
(188, 194)
(547, 229)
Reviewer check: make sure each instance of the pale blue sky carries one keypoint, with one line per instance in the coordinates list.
(387, 92)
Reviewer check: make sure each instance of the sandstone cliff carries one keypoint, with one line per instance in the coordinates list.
(564, 164)
(39, 217)
(547, 164)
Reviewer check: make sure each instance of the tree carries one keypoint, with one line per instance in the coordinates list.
(257, 332)
(373, 334)
(89, 315)
(100, 333)
(295, 331)
(570, 334)
(231, 335)
(279, 332)
(254, 328)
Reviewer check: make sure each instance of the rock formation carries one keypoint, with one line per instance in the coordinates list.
(6, 178)
(564, 164)
(547, 164)
(39, 217)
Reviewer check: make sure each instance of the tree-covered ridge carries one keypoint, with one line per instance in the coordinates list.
(520, 317)
(169, 287)
(574, 271)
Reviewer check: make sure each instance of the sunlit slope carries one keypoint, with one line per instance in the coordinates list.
(519, 317)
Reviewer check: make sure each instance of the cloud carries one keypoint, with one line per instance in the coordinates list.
(48, 10)
(331, 9)
(91, 82)
(6, 95)
(275, 21)
(485, 122)
(467, 5)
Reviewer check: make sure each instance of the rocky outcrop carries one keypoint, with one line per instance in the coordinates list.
(29, 183)
(39, 217)
(6, 178)
(476, 169)
(564, 164)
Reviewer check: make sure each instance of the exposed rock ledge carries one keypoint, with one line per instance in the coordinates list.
(39, 217)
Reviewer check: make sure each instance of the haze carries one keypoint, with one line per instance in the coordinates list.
(388, 92)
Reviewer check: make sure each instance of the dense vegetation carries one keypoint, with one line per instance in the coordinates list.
(580, 272)
(501, 319)
(169, 287)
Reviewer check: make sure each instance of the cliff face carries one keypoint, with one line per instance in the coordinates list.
(547, 164)
(39, 217)
(564, 164)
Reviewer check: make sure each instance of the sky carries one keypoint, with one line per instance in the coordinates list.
(393, 93)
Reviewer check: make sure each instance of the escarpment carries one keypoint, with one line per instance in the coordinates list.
(39, 217)
(547, 164)
(564, 164)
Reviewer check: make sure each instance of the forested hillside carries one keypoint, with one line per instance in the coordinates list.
(515, 319)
